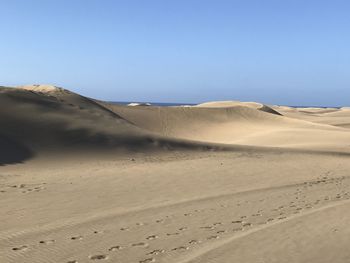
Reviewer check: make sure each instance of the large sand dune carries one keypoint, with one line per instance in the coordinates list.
(41, 119)
(83, 180)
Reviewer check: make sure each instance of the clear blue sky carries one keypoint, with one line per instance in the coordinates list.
(294, 52)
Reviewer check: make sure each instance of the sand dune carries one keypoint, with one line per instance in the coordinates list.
(229, 123)
(83, 180)
(36, 119)
(332, 116)
(54, 118)
(227, 104)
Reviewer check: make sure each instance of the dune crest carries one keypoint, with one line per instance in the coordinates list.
(227, 104)
(43, 88)
(230, 103)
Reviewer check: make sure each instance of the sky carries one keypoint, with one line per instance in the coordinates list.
(289, 52)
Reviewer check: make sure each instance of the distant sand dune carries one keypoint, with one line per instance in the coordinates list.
(227, 104)
(229, 123)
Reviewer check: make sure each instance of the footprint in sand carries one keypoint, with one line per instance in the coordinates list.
(156, 252)
(98, 257)
(212, 237)
(147, 260)
(237, 229)
(207, 227)
(72, 261)
(182, 248)
(76, 238)
(140, 244)
(173, 234)
(38, 189)
(47, 242)
(151, 237)
(115, 248)
(193, 242)
(21, 248)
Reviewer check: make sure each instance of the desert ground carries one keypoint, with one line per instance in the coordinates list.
(83, 180)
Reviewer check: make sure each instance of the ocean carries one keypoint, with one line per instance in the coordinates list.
(192, 104)
(153, 103)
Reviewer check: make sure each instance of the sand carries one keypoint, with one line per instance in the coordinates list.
(83, 180)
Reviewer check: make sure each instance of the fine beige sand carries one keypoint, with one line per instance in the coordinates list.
(83, 180)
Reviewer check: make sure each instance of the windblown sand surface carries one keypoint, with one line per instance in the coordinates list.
(87, 181)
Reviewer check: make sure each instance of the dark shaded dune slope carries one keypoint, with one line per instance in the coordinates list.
(32, 122)
(268, 109)
(12, 151)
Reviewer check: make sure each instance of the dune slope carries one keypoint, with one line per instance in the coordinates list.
(39, 118)
(244, 125)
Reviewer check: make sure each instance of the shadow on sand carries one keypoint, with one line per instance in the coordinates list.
(12, 152)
